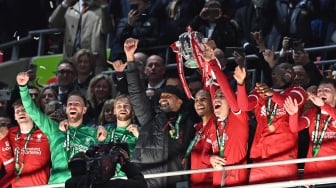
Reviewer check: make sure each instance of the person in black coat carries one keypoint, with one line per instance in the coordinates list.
(165, 133)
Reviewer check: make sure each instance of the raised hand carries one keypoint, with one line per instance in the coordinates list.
(101, 133)
(315, 99)
(118, 65)
(22, 78)
(239, 74)
(130, 45)
(269, 57)
(291, 106)
(208, 53)
(133, 128)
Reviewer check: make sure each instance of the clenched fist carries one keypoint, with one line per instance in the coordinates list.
(22, 78)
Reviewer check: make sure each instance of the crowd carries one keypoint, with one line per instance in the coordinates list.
(227, 120)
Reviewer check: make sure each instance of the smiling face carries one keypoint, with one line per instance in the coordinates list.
(202, 103)
(221, 106)
(169, 102)
(75, 109)
(327, 92)
(101, 89)
(123, 109)
(282, 75)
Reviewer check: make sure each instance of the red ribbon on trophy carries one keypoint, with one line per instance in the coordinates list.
(190, 47)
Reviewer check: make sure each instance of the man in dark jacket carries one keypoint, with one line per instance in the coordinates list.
(165, 134)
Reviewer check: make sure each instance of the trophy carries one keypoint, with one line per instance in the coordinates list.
(188, 51)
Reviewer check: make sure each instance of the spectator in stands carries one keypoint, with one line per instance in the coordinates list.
(34, 93)
(120, 78)
(85, 66)
(204, 109)
(194, 84)
(66, 80)
(293, 19)
(256, 16)
(140, 24)
(320, 121)
(28, 147)
(165, 134)
(47, 94)
(79, 138)
(272, 125)
(101, 88)
(106, 116)
(177, 16)
(3, 107)
(215, 25)
(86, 24)
(155, 70)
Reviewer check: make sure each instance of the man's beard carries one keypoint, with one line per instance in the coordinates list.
(165, 108)
(124, 117)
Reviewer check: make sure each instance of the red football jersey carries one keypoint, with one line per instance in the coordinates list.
(277, 144)
(34, 159)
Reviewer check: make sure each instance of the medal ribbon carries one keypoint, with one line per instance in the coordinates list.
(174, 130)
(318, 138)
(221, 139)
(18, 167)
(123, 137)
(67, 143)
(270, 113)
(193, 142)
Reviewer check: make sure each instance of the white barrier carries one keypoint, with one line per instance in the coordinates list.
(244, 166)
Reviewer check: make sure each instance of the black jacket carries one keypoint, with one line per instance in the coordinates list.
(155, 150)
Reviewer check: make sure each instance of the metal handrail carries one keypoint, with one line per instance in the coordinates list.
(31, 34)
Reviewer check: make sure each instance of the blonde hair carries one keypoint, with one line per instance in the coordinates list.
(90, 92)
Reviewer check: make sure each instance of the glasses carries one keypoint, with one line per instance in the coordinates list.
(65, 72)
(5, 124)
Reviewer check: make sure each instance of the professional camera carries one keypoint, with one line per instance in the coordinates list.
(99, 162)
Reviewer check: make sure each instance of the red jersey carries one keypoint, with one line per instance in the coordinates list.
(201, 180)
(327, 147)
(234, 136)
(34, 158)
(274, 144)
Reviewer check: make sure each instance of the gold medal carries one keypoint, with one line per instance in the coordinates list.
(171, 132)
(271, 128)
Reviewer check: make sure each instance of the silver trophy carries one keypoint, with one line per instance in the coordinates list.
(187, 43)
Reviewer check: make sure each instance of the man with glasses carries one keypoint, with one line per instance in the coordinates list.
(66, 78)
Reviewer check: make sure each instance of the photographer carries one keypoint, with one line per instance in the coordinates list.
(89, 170)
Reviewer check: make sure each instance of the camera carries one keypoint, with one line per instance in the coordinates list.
(99, 162)
(212, 12)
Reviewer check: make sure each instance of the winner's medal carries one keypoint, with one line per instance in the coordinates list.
(271, 114)
(271, 127)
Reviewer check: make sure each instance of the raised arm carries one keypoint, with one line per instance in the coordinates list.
(221, 78)
(140, 102)
(46, 124)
